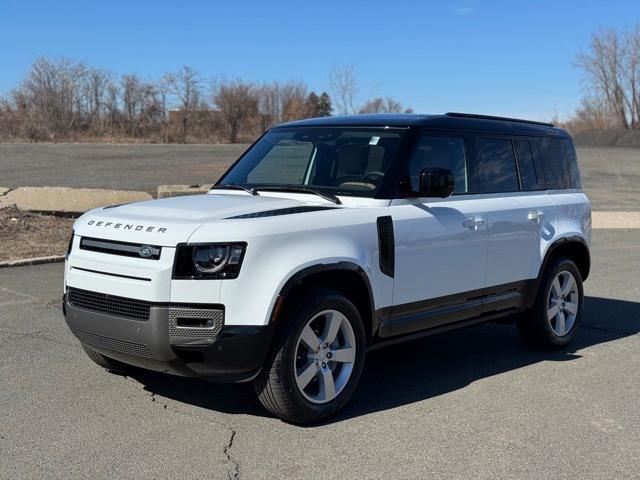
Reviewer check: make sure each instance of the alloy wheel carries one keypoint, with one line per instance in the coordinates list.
(562, 305)
(325, 355)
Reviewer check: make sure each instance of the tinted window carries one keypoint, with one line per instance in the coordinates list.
(340, 160)
(572, 164)
(440, 152)
(497, 166)
(560, 164)
(528, 176)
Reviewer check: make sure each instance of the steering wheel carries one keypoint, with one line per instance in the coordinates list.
(373, 177)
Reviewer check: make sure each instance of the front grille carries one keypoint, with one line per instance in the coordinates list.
(113, 344)
(211, 320)
(110, 304)
(113, 247)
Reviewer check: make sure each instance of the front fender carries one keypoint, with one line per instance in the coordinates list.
(272, 261)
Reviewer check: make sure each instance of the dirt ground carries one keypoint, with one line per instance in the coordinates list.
(27, 235)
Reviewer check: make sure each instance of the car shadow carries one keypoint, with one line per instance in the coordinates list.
(420, 369)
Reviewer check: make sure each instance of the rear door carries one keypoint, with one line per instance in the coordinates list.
(519, 212)
(441, 243)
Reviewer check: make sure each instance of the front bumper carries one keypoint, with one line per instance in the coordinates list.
(235, 355)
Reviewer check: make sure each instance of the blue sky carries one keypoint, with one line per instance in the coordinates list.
(495, 57)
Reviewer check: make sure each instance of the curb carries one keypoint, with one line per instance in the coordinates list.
(32, 261)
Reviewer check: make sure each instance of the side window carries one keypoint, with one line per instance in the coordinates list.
(572, 164)
(284, 163)
(526, 166)
(560, 164)
(440, 152)
(496, 166)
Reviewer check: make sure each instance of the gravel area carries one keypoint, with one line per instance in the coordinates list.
(27, 235)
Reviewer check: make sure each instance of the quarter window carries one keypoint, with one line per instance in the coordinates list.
(560, 164)
(497, 166)
(440, 152)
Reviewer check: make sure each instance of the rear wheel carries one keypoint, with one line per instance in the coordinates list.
(556, 314)
(105, 362)
(316, 361)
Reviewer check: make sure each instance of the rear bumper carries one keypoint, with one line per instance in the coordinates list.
(235, 355)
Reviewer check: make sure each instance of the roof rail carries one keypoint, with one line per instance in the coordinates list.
(490, 117)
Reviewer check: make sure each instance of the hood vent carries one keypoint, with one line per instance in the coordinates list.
(282, 211)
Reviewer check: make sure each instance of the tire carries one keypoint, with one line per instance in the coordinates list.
(537, 327)
(106, 362)
(293, 363)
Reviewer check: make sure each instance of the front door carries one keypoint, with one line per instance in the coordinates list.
(441, 243)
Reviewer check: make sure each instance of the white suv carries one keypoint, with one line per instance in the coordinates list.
(328, 238)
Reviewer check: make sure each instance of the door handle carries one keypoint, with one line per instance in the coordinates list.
(472, 223)
(535, 216)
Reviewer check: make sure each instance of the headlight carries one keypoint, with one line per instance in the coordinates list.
(217, 260)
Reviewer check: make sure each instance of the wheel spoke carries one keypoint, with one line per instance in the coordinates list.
(307, 375)
(568, 286)
(571, 308)
(331, 327)
(552, 312)
(556, 291)
(327, 386)
(560, 325)
(310, 338)
(345, 355)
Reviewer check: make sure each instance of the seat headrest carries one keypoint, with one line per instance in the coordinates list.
(352, 159)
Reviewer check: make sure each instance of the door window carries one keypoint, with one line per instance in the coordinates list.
(496, 166)
(439, 152)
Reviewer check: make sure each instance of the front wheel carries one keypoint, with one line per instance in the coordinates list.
(553, 321)
(316, 361)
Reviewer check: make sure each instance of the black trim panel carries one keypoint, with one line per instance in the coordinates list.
(111, 274)
(386, 245)
(282, 211)
(450, 309)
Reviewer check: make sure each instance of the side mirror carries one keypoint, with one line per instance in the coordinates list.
(436, 182)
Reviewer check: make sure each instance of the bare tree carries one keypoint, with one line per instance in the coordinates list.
(612, 70)
(344, 88)
(382, 105)
(238, 102)
(185, 86)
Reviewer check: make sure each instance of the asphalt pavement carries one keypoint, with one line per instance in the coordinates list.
(474, 403)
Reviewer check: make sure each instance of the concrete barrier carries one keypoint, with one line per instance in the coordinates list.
(62, 200)
(167, 191)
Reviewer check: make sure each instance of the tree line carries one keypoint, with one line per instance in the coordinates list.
(65, 100)
(611, 69)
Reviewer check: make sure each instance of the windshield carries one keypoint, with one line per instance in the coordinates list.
(341, 161)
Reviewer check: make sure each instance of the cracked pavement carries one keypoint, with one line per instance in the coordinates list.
(469, 404)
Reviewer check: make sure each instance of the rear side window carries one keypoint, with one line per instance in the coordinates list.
(560, 164)
(572, 164)
(526, 166)
(496, 166)
(440, 152)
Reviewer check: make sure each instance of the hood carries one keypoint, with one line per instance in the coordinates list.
(169, 221)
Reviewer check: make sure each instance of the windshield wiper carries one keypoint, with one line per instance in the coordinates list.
(285, 188)
(236, 186)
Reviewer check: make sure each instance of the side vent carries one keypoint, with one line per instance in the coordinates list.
(386, 245)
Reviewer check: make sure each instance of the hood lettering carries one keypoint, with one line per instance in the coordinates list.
(127, 226)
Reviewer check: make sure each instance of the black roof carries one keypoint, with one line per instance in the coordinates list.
(447, 121)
